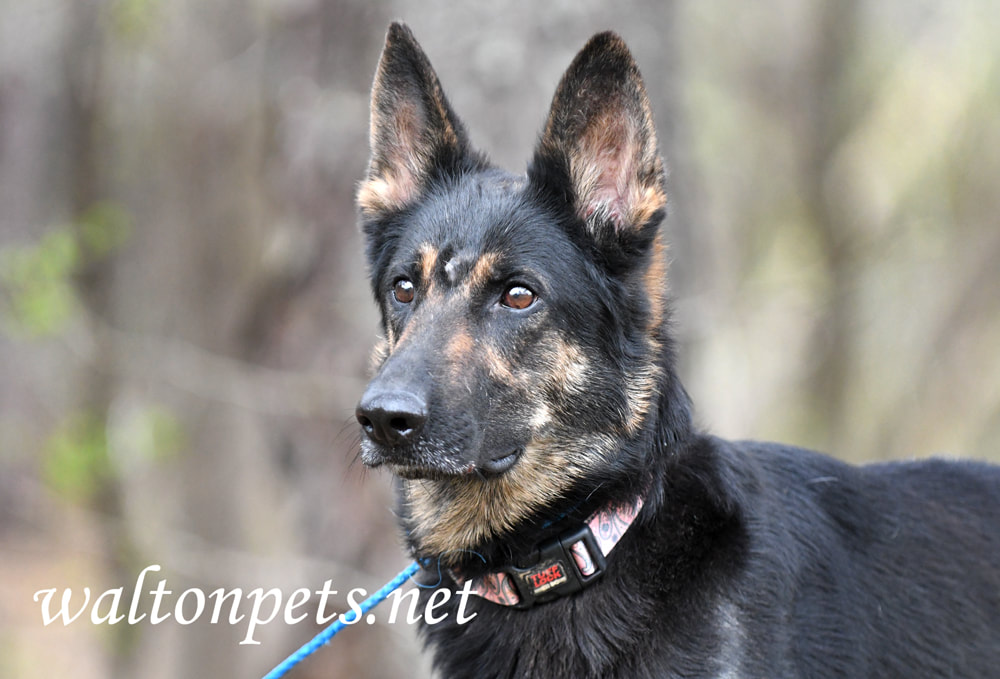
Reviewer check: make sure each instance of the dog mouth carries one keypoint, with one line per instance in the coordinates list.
(436, 467)
(499, 465)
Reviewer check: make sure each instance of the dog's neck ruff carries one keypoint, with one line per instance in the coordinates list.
(563, 565)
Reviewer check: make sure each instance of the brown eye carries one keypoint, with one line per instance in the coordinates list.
(403, 291)
(518, 297)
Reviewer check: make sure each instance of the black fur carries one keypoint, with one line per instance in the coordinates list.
(747, 559)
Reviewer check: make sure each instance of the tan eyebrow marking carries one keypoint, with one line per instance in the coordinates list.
(482, 270)
(428, 260)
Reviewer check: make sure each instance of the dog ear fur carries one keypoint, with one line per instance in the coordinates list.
(600, 142)
(414, 132)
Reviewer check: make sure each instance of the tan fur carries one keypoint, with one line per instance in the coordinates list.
(640, 390)
(645, 202)
(654, 281)
(394, 174)
(457, 513)
(541, 418)
(428, 262)
(481, 271)
(568, 366)
(384, 194)
(460, 347)
(609, 168)
(499, 368)
(641, 387)
(448, 135)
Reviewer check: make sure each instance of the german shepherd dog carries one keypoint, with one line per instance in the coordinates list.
(526, 397)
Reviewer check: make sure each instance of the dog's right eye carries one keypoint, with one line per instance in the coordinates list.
(518, 297)
(402, 291)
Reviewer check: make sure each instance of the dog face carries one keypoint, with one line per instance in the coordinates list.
(523, 316)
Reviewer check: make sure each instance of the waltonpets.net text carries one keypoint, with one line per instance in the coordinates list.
(231, 606)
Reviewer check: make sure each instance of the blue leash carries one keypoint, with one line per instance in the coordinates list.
(342, 621)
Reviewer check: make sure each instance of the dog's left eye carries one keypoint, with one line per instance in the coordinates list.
(518, 297)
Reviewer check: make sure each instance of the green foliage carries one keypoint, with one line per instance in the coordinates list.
(76, 457)
(37, 279)
(86, 451)
(37, 282)
(103, 229)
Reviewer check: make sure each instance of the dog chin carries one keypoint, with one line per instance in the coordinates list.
(418, 473)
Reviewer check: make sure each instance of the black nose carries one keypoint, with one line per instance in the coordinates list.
(391, 418)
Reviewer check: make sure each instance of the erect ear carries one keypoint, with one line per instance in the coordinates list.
(414, 132)
(598, 149)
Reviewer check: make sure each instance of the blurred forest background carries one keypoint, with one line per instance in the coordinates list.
(185, 321)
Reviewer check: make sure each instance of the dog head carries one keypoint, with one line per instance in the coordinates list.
(523, 317)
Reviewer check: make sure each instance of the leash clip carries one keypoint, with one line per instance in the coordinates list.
(565, 564)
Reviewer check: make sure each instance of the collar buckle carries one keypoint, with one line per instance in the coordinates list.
(565, 564)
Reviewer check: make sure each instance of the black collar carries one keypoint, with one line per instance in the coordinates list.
(565, 564)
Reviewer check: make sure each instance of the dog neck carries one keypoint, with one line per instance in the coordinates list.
(562, 565)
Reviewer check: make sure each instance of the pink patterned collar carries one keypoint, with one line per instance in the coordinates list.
(566, 564)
